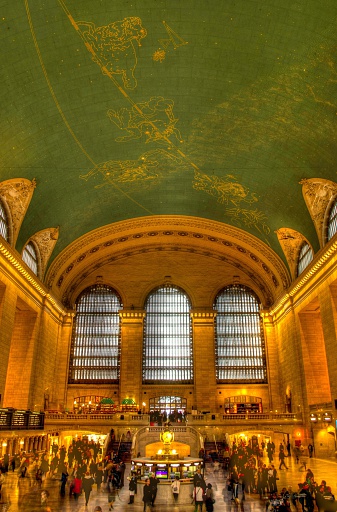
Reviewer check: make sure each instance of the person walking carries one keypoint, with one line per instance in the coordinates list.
(154, 487)
(199, 479)
(64, 478)
(147, 495)
(76, 487)
(198, 497)
(132, 488)
(175, 487)
(281, 457)
(87, 484)
(209, 500)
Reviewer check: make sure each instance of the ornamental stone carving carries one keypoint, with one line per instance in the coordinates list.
(45, 240)
(17, 194)
(290, 241)
(318, 194)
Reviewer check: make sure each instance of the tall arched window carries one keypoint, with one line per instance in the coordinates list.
(30, 257)
(239, 341)
(167, 348)
(332, 221)
(4, 224)
(95, 347)
(305, 256)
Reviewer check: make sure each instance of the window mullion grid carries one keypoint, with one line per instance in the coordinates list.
(239, 337)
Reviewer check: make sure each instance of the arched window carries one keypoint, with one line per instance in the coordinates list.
(30, 257)
(167, 348)
(332, 221)
(95, 347)
(305, 256)
(4, 224)
(239, 341)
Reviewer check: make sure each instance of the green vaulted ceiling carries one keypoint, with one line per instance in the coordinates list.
(130, 108)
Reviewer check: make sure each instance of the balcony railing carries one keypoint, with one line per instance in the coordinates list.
(192, 419)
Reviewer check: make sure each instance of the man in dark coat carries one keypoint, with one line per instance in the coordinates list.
(154, 487)
(198, 478)
(147, 494)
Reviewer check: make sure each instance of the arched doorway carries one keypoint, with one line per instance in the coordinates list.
(167, 408)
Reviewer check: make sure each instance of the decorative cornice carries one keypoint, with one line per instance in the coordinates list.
(203, 314)
(131, 314)
(263, 267)
(313, 269)
(247, 268)
(14, 262)
(167, 226)
(318, 193)
(17, 194)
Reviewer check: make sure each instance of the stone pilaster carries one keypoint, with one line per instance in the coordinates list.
(328, 318)
(204, 359)
(131, 354)
(8, 299)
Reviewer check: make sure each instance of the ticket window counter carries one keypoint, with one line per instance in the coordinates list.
(166, 474)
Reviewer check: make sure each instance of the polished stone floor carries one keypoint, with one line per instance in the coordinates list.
(24, 497)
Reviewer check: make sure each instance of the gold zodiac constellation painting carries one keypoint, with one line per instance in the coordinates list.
(153, 119)
(112, 46)
(172, 40)
(227, 190)
(146, 167)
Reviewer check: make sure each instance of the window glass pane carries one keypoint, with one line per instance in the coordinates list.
(304, 258)
(95, 349)
(167, 349)
(3, 223)
(29, 256)
(332, 222)
(239, 342)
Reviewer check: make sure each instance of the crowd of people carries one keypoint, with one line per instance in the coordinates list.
(82, 465)
(77, 469)
(248, 473)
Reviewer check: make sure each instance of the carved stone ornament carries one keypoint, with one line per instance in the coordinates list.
(45, 240)
(290, 241)
(318, 193)
(17, 194)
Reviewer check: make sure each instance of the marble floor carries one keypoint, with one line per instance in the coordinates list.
(20, 496)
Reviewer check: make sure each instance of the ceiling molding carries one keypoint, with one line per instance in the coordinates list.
(169, 233)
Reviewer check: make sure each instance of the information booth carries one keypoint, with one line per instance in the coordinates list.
(166, 471)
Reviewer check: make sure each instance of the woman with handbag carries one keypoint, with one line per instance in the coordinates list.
(198, 497)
